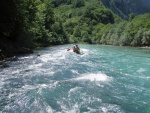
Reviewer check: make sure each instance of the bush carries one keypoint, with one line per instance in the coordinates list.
(146, 38)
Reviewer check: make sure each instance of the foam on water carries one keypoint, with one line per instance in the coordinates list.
(46, 57)
(94, 77)
(141, 70)
(56, 56)
(102, 79)
(26, 57)
(40, 86)
(111, 108)
(74, 71)
(35, 66)
(73, 90)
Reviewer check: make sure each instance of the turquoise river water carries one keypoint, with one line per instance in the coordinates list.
(103, 79)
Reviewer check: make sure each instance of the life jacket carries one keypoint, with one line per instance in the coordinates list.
(76, 49)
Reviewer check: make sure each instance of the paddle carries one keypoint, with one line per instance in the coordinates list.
(68, 49)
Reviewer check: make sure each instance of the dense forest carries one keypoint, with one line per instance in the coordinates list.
(89, 21)
(26, 24)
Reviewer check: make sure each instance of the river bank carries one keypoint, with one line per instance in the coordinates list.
(15, 52)
(146, 47)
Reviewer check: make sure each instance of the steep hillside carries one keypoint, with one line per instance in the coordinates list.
(81, 19)
(89, 21)
(125, 7)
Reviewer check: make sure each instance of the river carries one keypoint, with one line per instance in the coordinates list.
(103, 79)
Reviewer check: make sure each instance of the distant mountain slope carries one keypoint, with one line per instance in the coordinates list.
(125, 7)
(91, 21)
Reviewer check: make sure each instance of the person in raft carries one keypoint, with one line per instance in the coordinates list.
(76, 49)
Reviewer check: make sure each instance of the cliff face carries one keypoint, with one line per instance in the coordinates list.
(125, 7)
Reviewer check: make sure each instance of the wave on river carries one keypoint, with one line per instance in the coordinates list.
(103, 79)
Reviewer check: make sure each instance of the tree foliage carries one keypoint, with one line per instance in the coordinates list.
(78, 3)
(92, 22)
(132, 33)
(25, 24)
(28, 24)
(99, 15)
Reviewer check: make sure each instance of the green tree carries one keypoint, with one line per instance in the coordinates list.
(78, 3)
(131, 16)
(85, 37)
(125, 39)
(137, 38)
(146, 38)
(77, 31)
